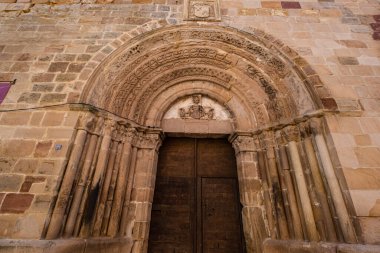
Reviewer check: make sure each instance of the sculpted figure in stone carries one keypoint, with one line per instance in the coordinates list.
(196, 110)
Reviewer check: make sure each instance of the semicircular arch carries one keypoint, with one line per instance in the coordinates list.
(271, 83)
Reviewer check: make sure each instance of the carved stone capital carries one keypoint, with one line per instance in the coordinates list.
(316, 126)
(243, 143)
(291, 133)
(267, 139)
(108, 127)
(129, 135)
(86, 122)
(280, 138)
(305, 129)
(99, 125)
(148, 140)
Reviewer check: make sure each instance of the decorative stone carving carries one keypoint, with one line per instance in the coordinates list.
(199, 108)
(196, 110)
(202, 10)
(133, 78)
(148, 140)
(264, 83)
(86, 122)
(243, 143)
(291, 133)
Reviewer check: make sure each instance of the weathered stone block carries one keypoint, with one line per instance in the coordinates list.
(363, 178)
(59, 133)
(353, 43)
(29, 181)
(76, 67)
(17, 148)
(16, 203)
(53, 119)
(20, 67)
(36, 118)
(53, 98)
(30, 226)
(368, 156)
(356, 248)
(29, 97)
(348, 60)
(41, 203)
(58, 67)
(67, 77)
(26, 166)
(42, 148)
(10, 182)
(43, 77)
(363, 140)
(15, 118)
(64, 58)
(6, 164)
(329, 103)
(290, 5)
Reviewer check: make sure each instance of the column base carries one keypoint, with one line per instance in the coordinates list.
(99, 245)
(288, 246)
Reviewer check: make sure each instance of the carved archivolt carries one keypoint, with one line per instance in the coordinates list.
(132, 77)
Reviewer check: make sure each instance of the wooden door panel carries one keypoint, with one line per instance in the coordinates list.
(221, 230)
(196, 207)
(215, 158)
(172, 223)
(176, 158)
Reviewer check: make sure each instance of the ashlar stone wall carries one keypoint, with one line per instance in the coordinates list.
(53, 47)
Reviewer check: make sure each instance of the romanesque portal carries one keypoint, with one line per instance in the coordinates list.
(203, 81)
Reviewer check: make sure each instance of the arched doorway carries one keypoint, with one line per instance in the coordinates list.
(255, 89)
(196, 204)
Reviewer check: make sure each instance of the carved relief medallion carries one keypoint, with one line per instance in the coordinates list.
(202, 10)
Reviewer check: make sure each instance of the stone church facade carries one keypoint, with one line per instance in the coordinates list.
(102, 86)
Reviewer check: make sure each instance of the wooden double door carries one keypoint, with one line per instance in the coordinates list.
(196, 206)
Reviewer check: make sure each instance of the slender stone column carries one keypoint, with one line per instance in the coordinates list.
(107, 181)
(274, 184)
(251, 195)
(140, 206)
(289, 195)
(56, 221)
(111, 190)
(301, 184)
(121, 184)
(128, 193)
(97, 178)
(319, 186)
(78, 195)
(332, 180)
